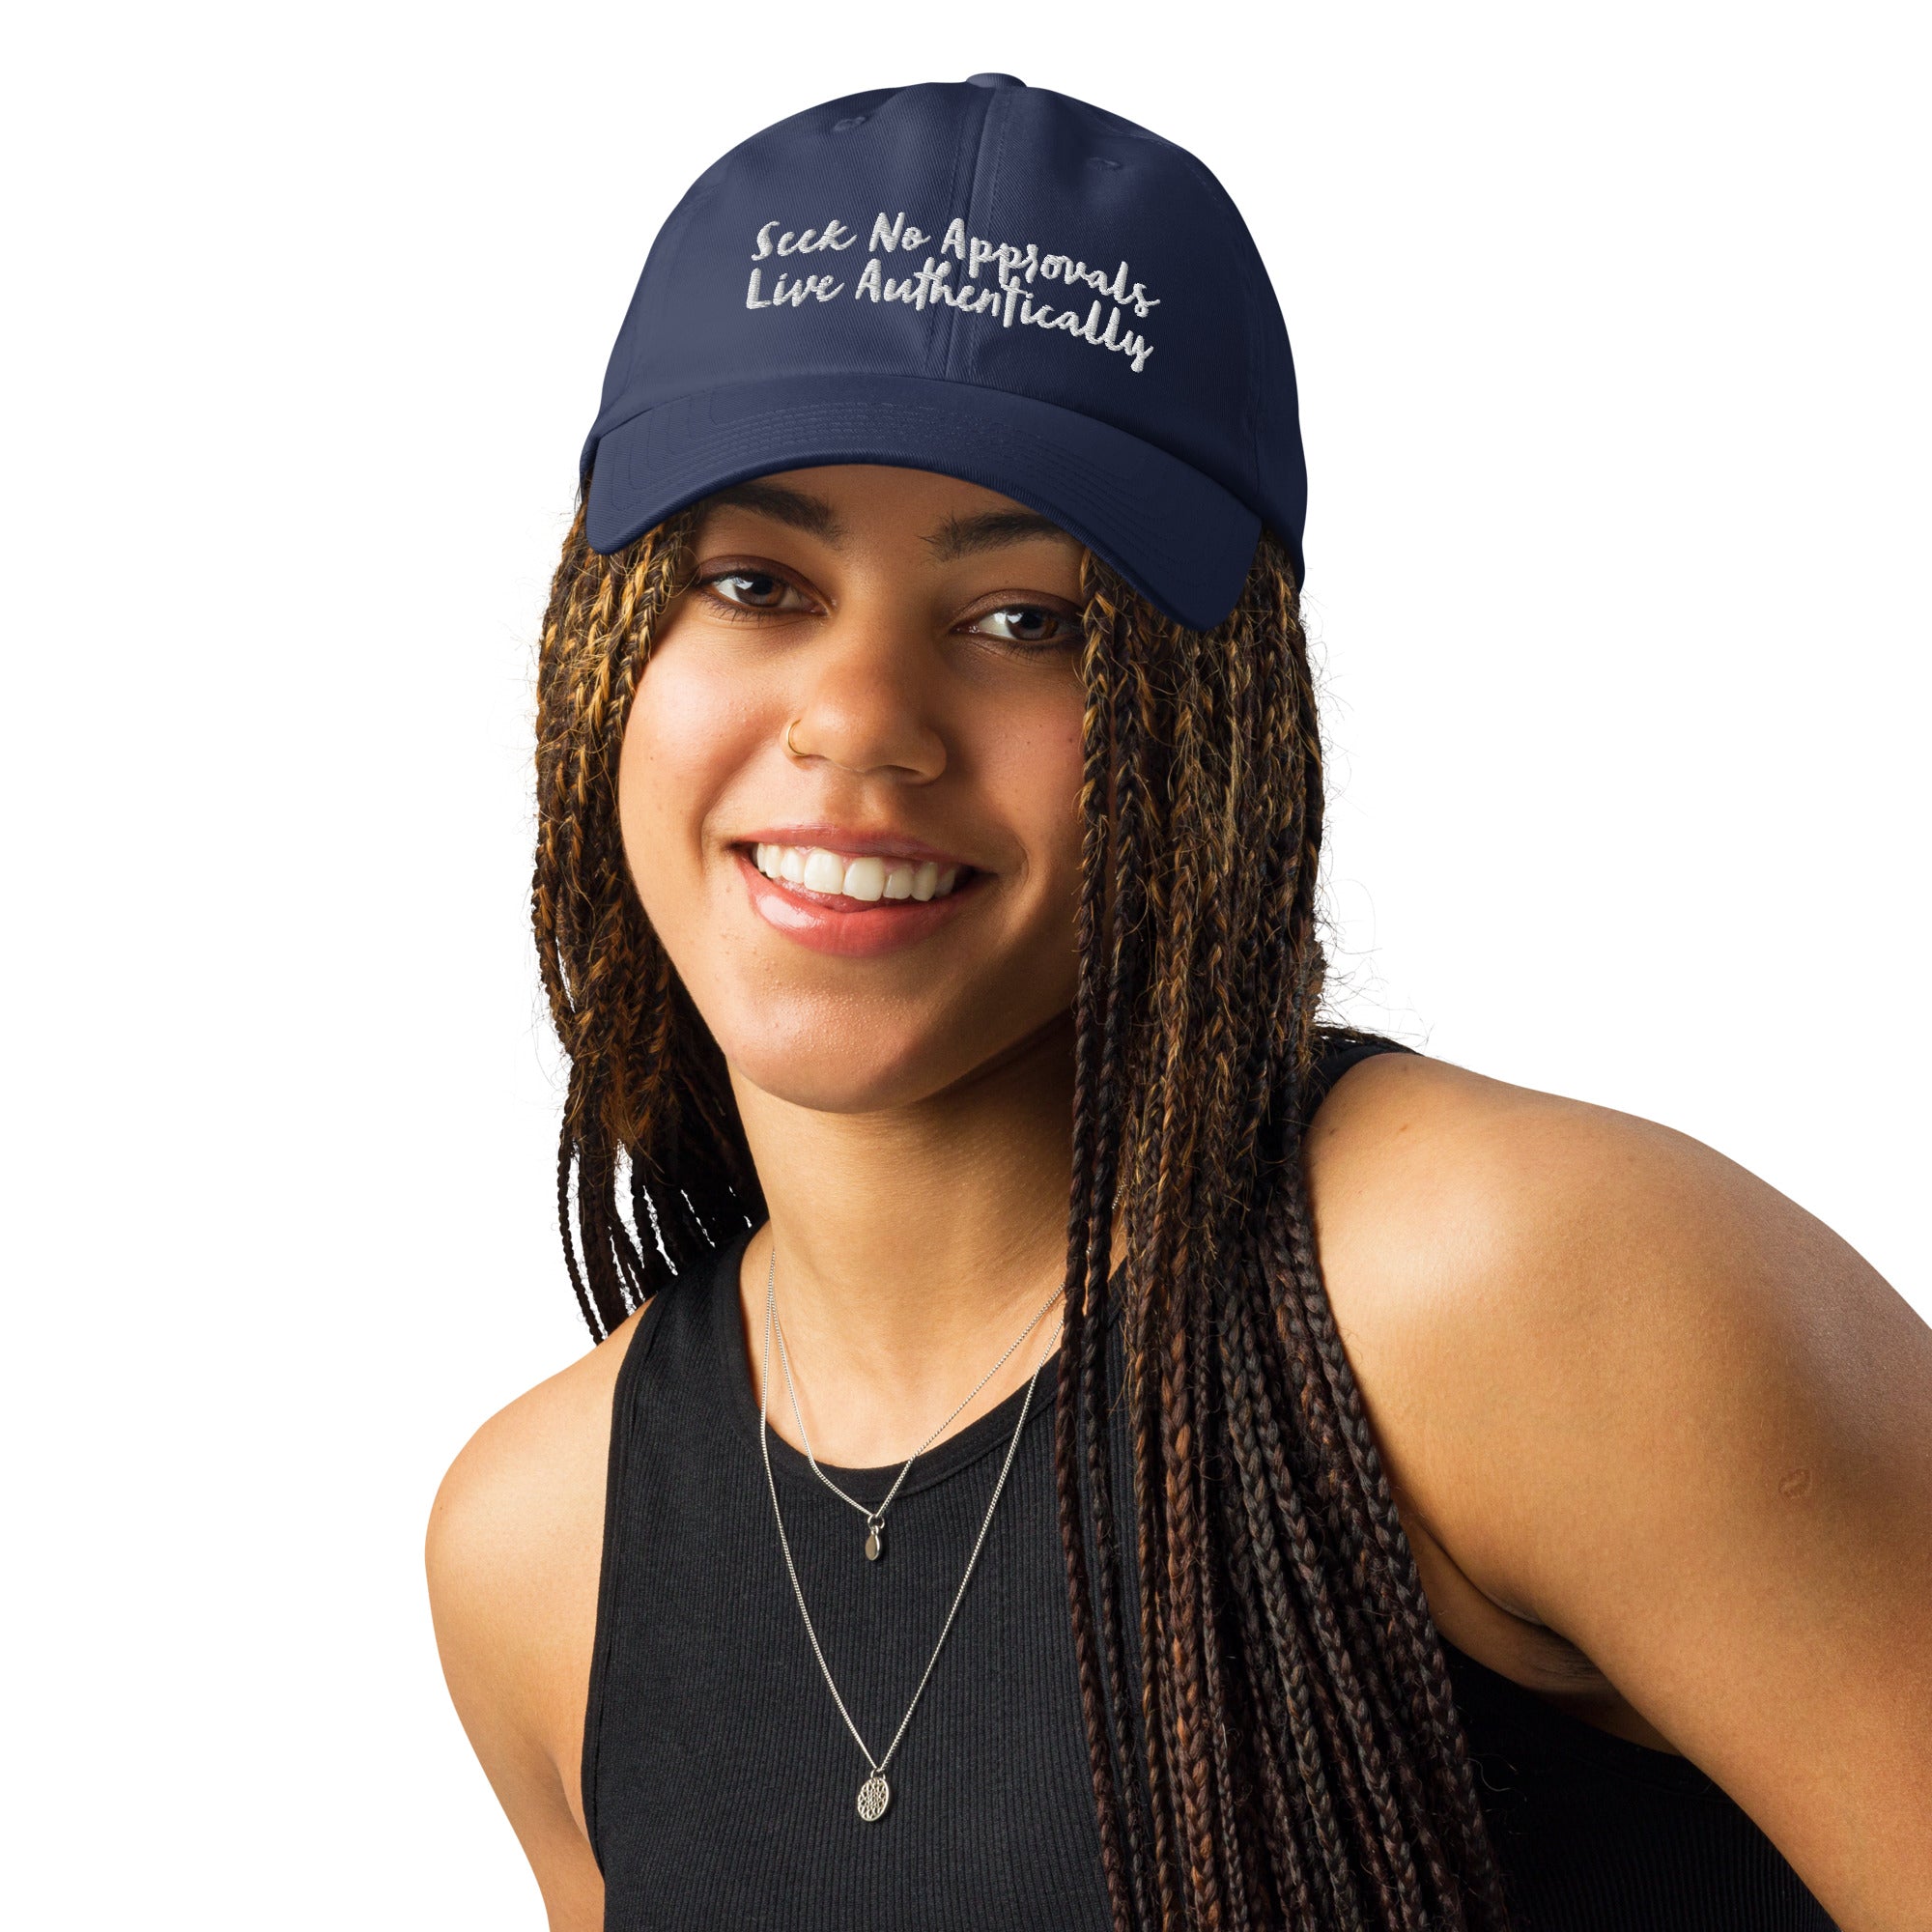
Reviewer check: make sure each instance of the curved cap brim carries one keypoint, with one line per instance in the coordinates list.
(1179, 538)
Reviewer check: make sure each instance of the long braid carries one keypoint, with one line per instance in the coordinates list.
(1115, 999)
(1280, 1743)
(1224, 1700)
(1278, 1645)
(643, 1091)
(1096, 1058)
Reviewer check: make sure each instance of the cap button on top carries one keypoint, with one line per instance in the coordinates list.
(994, 81)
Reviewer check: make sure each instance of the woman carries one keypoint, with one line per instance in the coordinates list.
(1074, 1441)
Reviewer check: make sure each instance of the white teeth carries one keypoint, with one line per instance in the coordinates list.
(866, 878)
(823, 871)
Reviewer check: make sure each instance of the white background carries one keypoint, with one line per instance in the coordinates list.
(1612, 329)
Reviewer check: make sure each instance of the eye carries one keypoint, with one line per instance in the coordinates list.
(1034, 624)
(755, 590)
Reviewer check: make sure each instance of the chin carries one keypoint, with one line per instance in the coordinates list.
(831, 1081)
(873, 1055)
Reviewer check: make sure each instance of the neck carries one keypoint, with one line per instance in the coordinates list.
(912, 1246)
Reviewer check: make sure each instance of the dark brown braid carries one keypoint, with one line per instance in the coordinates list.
(1288, 1751)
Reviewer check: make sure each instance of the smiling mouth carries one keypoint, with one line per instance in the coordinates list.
(866, 878)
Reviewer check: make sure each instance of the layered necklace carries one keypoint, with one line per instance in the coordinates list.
(875, 1519)
(874, 1794)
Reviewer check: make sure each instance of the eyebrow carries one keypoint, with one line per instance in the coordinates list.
(991, 529)
(954, 538)
(812, 515)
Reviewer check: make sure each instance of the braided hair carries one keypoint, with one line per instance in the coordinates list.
(1287, 1751)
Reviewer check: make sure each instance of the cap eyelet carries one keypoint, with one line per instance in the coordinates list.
(846, 126)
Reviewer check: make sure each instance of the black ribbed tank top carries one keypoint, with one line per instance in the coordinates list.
(720, 1783)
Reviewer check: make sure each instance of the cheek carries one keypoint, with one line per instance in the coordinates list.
(1034, 764)
(688, 734)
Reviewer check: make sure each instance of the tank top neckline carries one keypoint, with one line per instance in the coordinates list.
(984, 1435)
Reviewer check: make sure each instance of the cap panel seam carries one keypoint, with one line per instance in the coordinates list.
(959, 153)
(995, 105)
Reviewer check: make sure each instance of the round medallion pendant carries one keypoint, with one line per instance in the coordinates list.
(873, 1795)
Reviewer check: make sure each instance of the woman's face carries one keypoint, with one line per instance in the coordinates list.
(870, 915)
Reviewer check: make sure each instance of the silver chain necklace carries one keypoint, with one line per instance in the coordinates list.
(874, 1794)
(875, 1519)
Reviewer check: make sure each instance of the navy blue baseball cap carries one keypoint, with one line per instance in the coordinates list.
(981, 278)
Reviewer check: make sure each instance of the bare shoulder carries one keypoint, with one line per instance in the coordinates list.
(1573, 1266)
(515, 1496)
(1479, 1240)
(513, 1553)
(1635, 1402)
(1451, 1207)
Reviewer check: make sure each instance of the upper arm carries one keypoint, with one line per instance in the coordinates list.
(1645, 1400)
(513, 1555)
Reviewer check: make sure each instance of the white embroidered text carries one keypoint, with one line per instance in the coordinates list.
(997, 279)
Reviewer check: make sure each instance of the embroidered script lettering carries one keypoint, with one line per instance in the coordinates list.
(790, 294)
(1012, 296)
(833, 235)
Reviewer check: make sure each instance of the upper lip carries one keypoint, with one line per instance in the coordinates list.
(854, 843)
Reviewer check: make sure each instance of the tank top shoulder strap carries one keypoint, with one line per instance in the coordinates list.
(1336, 1050)
(671, 1350)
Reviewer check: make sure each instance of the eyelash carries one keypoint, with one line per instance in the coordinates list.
(1066, 628)
(746, 612)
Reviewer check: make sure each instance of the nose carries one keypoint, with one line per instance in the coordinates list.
(864, 709)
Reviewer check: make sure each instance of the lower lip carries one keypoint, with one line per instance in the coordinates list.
(850, 928)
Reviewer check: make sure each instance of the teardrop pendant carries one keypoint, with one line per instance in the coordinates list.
(874, 1545)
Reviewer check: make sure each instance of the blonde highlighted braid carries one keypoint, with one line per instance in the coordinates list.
(647, 1101)
(1290, 1753)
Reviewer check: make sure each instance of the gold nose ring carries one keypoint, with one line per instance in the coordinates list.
(789, 745)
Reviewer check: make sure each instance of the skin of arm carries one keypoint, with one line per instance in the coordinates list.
(1651, 1425)
(513, 1555)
